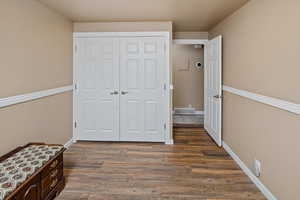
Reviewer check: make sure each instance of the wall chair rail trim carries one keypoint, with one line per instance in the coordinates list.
(278, 103)
(4, 102)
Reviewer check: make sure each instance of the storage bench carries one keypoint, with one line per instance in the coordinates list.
(32, 172)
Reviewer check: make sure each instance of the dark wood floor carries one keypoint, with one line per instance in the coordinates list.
(192, 169)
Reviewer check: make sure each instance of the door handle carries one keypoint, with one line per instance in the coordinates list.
(123, 93)
(218, 96)
(114, 93)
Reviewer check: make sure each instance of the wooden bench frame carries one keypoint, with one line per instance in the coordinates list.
(37, 177)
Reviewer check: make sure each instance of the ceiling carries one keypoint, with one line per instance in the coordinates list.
(187, 15)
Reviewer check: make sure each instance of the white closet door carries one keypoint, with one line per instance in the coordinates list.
(142, 68)
(98, 86)
(213, 90)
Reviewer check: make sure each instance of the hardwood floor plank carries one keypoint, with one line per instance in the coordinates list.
(192, 169)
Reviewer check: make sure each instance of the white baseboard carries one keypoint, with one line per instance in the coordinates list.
(197, 112)
(249, 173)
(170, 142)
(69, 143)
(190, 41)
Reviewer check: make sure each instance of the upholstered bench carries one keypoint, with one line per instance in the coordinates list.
(32, 172)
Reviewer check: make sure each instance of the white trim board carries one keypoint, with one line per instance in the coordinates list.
(278, 103)
(168, 103)
(249, 173)
(189, 41)
(120, 34)
(169, 142)
(32, 96)
(69, 143)
(197, 112)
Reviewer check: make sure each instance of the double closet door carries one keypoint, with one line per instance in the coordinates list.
(120, 89)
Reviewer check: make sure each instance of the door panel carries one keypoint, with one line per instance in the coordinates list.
(213, 90)
(98, 79)
(151, 111)
(132, 70)
(141, 83)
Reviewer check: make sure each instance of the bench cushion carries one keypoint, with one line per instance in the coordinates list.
(20, 166)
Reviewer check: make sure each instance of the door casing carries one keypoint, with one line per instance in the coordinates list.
(167, 114)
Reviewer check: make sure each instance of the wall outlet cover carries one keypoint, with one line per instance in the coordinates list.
(257, 168)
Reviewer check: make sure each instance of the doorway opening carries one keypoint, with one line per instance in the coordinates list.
(188, 79)
(197, 75)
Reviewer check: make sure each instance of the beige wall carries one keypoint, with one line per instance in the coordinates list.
(191, 35)
(261, 47)
(187, 79)
(263, 39)
(122, 26)
(35, 54)
(44, 120)
(35, 48)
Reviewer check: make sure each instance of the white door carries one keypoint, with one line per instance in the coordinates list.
(97, 74)
(121, 89)
(142, 75)
(213, 90)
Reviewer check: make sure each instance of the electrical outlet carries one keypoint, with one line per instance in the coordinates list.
(257, 168)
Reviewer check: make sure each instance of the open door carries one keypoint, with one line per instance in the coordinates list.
(213, 89)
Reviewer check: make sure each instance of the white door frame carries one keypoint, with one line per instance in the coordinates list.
(167, 97)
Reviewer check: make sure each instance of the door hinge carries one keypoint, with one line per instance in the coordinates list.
(75, 48)
(165, 126)
(75, 86)
(75, 124)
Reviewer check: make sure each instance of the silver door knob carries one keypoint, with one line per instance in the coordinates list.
(218, 96)
(123, 93)
(114, 93)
